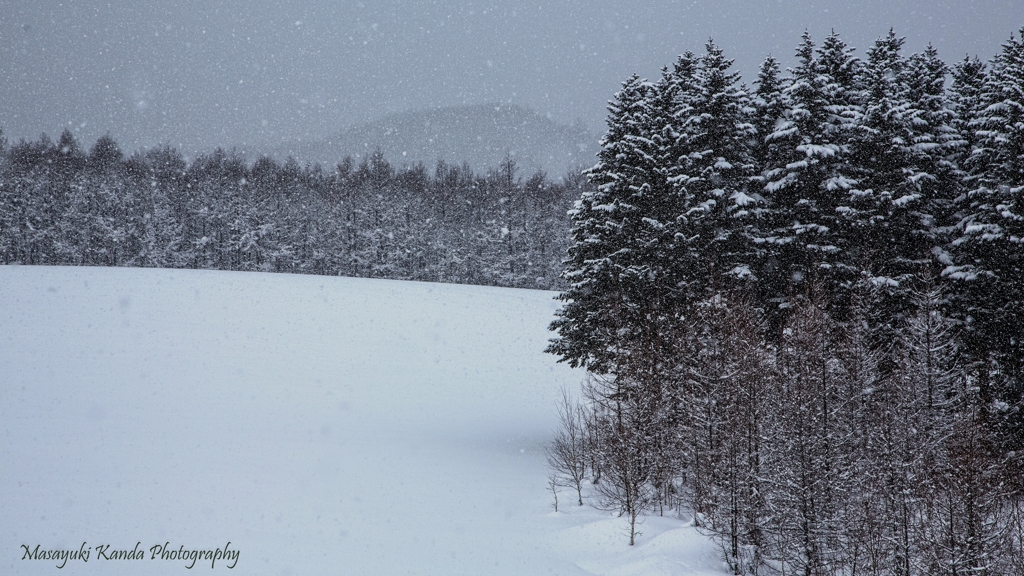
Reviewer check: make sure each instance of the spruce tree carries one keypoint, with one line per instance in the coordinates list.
(808, 176)
(965, 101)
(937, 141)
(768, 150)
(713, 228)
(989, 250)
(616, 295)
(902, 177)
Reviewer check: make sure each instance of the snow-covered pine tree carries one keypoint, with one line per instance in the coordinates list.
(714, 221)
(621, 315)
(965, 100)
(669, 192)
(898, 161)
(768, 105)
(26, 232)
(619, 288)
(939, 142)
(989, 250)
(808, 175)
(968, 82)
(711, 255)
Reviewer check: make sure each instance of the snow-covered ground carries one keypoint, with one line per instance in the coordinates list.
(321, 425)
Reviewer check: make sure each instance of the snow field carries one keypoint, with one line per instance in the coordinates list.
(321, 425)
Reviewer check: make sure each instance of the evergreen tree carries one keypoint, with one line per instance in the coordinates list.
(897, 157)
(937, 141)
(769, 147)
(714, 216)
(943, 146)
(808, 177)
(988, 252)
(32, 200)
(69, 157)
(105, 154)
(617, 293)
(965, 100)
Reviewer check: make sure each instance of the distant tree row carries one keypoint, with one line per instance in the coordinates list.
(802, 306)
(62, 205)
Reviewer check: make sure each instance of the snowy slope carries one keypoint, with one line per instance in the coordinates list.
(321, 425)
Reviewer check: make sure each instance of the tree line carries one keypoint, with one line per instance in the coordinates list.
(60, 204)
(800, 306)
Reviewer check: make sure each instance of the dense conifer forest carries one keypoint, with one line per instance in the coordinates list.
(800, 303)
(60, 204)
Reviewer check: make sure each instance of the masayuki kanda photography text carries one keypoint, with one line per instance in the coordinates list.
(102, 552)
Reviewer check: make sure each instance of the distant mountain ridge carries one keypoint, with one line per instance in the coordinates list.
(481, 135)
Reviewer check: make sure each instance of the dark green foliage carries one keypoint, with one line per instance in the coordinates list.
(615, 263)
(988, 250)
(807, 178)
(805, 307)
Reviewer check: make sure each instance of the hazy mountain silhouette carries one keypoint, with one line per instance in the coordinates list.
(481, 135)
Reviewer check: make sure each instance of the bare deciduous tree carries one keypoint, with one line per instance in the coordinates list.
(567, 453)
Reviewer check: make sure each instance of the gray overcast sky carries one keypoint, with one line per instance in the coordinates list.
(202, 73)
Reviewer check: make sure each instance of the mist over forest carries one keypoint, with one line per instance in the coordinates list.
(199, 75)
